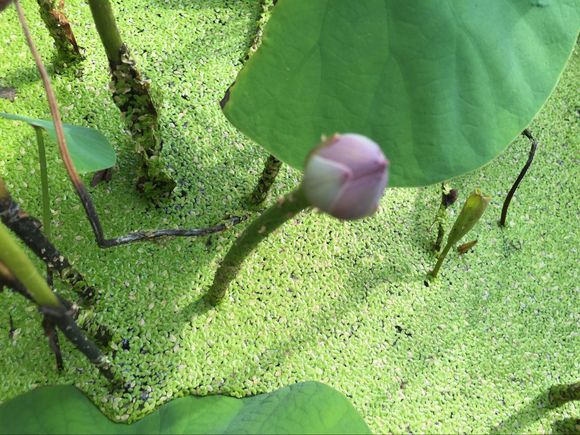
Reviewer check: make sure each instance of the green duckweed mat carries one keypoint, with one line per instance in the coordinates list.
(340, 303)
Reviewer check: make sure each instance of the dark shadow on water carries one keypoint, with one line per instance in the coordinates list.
(19, 77)
(535, 410)
(566, 426)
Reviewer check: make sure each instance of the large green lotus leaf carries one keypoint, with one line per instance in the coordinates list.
(309, 407)
(442, 85)
(89, 150)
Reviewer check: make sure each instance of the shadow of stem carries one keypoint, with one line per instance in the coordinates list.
(555, 397)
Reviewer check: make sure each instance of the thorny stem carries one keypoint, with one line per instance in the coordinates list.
(68, 51)
(63, 319)
(49, 328)
(527, 133)
(80, 188)
(271, 169)
(284, 209)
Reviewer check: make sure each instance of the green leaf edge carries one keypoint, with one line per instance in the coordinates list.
(81, 156)
(41, 411)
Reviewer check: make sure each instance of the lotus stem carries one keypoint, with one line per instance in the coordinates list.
(269, 174)
(284, 209)
(534, 145)
(56, 21)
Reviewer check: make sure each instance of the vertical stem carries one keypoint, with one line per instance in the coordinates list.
(448, 197)
(44, 182)
(527, 133)
(108, 30)
(284, 209)
(53, 15)
(440, 260)
(131, 95)
(271, 169)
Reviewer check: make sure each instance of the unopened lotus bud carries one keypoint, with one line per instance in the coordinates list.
(4, 4)
(346, 176)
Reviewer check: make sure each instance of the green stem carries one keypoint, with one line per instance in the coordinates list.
(24, 271)
(44, 182)
(284, 209)
(269, 174)
(108, 31)
(440, 260)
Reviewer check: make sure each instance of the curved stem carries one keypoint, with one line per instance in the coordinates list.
(527, 133)
(284, 209)
(80, 188)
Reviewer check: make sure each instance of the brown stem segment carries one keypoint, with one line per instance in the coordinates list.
(28, 230)
(527, 133)
(50, 332)
(56, 21)
(65, 322)
(271, 170)
(284, 209)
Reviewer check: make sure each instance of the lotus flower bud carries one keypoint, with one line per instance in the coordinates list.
(346, 176)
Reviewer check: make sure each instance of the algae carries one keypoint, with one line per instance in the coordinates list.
(340, 303)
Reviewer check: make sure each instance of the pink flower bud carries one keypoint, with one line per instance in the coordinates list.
(346, 176)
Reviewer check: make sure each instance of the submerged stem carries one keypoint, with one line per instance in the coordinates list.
(285, 208)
